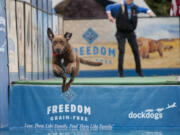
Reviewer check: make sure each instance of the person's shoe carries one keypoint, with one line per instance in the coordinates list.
(141, 74)
(121, 75)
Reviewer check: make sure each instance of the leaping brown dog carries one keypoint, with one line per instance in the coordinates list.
(64, 59)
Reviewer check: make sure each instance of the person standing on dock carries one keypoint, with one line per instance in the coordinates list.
(125, 16)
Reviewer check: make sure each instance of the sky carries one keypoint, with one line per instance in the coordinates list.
(158, 28)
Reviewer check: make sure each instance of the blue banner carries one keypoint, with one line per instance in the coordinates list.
(3, 68)
(94, 107)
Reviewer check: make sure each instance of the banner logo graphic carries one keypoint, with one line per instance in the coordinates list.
(155, 114)
(68, 112)
(69, 95)
(90, 36)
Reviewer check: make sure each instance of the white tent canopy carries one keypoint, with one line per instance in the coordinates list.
(56, 2)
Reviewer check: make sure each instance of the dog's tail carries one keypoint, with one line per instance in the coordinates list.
(91, 63)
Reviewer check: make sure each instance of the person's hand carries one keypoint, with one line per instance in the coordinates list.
(151, 14)
(111, 19)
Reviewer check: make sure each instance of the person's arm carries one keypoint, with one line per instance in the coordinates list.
(145, 10)
(109, 9)
(110, 17)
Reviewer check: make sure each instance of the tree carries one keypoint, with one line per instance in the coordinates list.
(160, 7)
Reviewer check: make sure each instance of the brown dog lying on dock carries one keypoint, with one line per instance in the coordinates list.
(64, 59)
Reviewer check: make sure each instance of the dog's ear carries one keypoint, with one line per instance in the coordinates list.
(50, 34)
(68, 35)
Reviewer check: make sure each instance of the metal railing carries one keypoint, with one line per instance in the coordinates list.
(29, 49)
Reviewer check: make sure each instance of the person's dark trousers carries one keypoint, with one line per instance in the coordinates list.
(131, 37)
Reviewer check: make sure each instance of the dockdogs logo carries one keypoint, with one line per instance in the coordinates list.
(155, 114)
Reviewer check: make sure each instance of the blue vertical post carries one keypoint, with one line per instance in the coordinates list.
(28, 53)
(50, 20)
(45, 5)
(4, 76)
(46, 40)
(40, 4)
(40, 40)
(34, 44)
(34, 3)
(20, 38)
(50, 6)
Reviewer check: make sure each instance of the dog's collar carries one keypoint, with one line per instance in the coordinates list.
(55, 54)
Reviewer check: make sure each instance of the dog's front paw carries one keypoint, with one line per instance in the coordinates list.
(68, 86)
(64, 88)
(69, 69)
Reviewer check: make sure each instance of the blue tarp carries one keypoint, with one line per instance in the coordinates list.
(94, 107)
